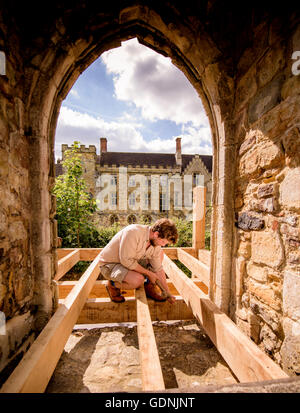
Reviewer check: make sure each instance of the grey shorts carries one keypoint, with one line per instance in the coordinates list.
(117, 272)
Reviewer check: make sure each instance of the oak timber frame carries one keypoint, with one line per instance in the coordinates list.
(86, 301)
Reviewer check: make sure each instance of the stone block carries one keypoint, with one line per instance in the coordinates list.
(257, 273)
(270, 154)
(291, 87)
(264, 155)
(244, 249)
(250, 329)
(290, 349)
(264, 205)
(270, 64)
(247, 144)
(240, 273)
(270, 341)
(291, 220)
(264, 293)
(17, 231)
(291, 295)
(267, 249)
(268, 315)
(23, 287)
(266, 190)
(289, 190)
(265, 99)
(290, 232)
(246, 221)
(246, 88)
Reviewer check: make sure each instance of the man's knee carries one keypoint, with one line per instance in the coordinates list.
(134, 279)
(138, 280)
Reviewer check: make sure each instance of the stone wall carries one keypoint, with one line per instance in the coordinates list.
(16, 257)
(267, 200)
(239, 62)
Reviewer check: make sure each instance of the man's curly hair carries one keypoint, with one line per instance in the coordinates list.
(166, 229)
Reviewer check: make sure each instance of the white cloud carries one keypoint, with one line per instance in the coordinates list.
(153, 84)
(73, 125)
(123, 135)
(74, 93)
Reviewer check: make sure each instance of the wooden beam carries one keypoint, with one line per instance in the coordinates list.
(66, 263)
(36, 367)
(152, 377)
(170, 252)
(103, 310)
(245, 359)
(99, 290)
(197, 267)
(62, 252)
(199, 206)
(204, 256)
(89, 254)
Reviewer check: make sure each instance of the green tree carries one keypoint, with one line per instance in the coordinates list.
(74, 205)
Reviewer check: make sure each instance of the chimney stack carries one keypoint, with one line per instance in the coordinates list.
(103, 145)
(178, 152)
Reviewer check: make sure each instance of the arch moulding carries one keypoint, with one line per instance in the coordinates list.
(197, 57)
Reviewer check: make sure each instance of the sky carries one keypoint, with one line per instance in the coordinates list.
(138, 100)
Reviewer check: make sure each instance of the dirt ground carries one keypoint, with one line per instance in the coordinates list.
(106, 359)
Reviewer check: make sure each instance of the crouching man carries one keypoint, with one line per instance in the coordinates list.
(134, 257)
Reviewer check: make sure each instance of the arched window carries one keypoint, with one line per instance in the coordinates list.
(131, 219)
(113, 219)
(147, 219)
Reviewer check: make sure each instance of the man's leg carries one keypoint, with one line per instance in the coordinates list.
(152, 290)
(119, 278)
(131, 281)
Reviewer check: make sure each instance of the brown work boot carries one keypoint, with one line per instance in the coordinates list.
(114, 293)
(152, 291)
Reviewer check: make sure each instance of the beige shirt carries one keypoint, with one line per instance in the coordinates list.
(128, 246)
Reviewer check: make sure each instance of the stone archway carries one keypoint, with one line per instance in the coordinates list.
(177, 43)
(240, 64)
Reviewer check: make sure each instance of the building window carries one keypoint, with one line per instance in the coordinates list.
(147, 219)
(132, 199)
(198, 179)
(113, 198)
(146, 200)
(162, 202)
(113, 180)
(131, 219)
(113, 219)
(177, 199)
(131, 181)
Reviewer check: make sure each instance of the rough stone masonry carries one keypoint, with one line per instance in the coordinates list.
(240, 63)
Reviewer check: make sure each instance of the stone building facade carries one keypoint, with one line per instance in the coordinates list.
(132, 187)
(243, 61)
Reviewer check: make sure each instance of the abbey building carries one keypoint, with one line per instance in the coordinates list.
(132, 187)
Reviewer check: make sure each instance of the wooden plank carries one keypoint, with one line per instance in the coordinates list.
(199, 206)
(103, 310)
(36, 367)
(62, 252)
(204, 256)
(99, 290)
(170, 252)
(89, 254)
(66, 263)
(197, 267)
(245, 359)
(152, 377)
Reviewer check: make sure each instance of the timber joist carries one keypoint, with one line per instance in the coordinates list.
(86, 302)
